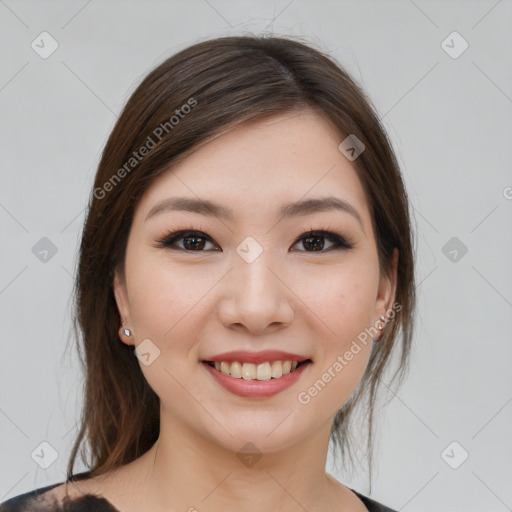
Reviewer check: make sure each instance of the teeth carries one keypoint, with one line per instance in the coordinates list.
(236, 370)
(287, 366)
(248, 371)
(263, 371)
(277, 369)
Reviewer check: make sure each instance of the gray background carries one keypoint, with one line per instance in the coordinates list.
(450, 122)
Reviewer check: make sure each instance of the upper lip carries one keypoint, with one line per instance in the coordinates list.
(243, 356)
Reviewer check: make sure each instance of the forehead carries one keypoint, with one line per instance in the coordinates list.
(264, 163)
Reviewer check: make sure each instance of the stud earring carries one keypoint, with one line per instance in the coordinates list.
(382, 318)
(125, 331)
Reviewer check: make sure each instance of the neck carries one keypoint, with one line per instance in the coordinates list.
(193, 473)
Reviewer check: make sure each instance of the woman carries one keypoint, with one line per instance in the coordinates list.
(245, 273)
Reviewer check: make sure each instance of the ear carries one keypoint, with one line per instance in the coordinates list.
(387, 290)
(121, 296)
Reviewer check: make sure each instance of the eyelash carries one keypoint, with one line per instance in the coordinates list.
(340, 242)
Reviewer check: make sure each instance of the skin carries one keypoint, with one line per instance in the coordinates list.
(193, 305)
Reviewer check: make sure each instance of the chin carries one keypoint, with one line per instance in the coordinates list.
(265, 434)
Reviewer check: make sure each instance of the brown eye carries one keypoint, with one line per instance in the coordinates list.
(192, 241)
(197, 241)
(314, 241)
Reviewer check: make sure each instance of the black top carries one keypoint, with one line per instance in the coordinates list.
(35, 501)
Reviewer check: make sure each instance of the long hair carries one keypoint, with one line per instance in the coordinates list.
(191, 97)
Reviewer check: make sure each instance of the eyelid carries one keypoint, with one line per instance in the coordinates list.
(342, 242)
(167, 241)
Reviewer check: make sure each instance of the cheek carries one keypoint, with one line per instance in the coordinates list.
(164, 300)
(161, 296)
(344, 307)
(342, 296)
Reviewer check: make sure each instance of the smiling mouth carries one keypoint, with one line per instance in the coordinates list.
(262, 371)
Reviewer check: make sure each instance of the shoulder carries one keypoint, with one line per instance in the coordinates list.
(371, 505)
(55, 498)
(33, 500)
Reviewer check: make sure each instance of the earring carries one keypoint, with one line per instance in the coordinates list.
(125, 331)
(383, 320)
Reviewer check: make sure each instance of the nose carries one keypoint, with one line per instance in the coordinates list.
(255, 297)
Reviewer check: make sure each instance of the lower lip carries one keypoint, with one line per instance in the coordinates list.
(256, 388)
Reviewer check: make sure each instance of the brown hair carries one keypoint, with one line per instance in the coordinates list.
(222, 82)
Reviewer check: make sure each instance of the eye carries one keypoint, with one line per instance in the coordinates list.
(314, 241)
(197, 241)
(193, 241)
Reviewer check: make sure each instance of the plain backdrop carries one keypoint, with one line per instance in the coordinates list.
(445, 98)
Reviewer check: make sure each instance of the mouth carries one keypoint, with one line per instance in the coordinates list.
(261, 374)
(263, 379)
(264, 371)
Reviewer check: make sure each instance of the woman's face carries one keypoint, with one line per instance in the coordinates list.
(254, 282)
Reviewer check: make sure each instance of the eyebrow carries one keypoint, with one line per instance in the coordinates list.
(296, 209)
